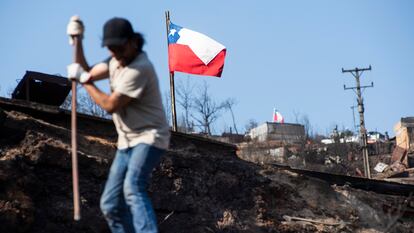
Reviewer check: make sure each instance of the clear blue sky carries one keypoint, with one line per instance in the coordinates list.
(283, 54)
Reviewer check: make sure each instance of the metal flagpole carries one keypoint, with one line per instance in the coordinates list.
(172, 90)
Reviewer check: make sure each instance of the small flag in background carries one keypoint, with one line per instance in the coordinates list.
(194, 53)
(277, 117)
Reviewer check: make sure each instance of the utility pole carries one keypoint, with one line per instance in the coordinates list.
(355, 126)
(363, 132)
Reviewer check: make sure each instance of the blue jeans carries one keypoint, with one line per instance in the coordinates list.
(125, 202)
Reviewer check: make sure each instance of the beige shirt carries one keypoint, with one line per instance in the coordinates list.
(143, 119)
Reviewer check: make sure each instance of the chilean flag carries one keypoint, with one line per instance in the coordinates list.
(194, 53)
(277, 117)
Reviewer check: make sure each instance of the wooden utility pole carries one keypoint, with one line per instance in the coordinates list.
(355, 126)
(363, 132)
(172, 89)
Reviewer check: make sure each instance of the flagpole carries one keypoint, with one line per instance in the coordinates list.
(172, 90)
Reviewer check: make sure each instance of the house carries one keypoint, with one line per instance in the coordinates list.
(375, 137)
(284, 132)
(404, 133)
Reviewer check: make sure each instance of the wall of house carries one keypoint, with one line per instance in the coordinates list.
(262, 153)
(259, 133)
(404, 135)
(289, 133)
(410, 133)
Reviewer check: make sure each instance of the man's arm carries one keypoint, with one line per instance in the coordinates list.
(79, 54)
(98, 71)
(110, 103)
(75, 30)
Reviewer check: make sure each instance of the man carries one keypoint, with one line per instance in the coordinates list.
(139, 118)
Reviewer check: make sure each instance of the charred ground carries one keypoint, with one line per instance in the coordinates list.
(198, 187)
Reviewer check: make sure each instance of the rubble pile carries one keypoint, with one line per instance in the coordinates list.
(198, 187)
(335, 158)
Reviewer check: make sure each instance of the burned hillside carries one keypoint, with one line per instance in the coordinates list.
(200, 185)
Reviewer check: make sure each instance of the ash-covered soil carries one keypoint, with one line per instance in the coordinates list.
(198, 187)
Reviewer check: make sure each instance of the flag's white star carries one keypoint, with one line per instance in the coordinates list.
(172, 32)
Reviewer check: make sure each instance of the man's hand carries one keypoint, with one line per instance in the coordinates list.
(77, 73)
(75, 28)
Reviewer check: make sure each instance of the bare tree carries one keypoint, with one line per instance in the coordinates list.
(88, 106)
(167, 106)
(307, 125)
(304, 120)
(297, 116)
(183, 126)
(207, 109)
(228, 104)
(68, 102)
(10, 91)
(1, 93)
(251, 124)
(185, 100)
(85, 105)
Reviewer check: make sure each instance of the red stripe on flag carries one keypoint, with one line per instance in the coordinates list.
(183, 59)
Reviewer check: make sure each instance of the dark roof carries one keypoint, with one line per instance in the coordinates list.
(407, 120)
(42, 88)
(276, 123)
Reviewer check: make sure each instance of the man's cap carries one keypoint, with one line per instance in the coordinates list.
(117, 31)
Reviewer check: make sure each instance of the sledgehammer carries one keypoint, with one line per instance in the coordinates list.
(75, 180)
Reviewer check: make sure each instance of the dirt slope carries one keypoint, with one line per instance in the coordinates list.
(197, 188)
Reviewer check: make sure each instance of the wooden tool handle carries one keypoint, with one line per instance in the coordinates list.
(75, 178)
